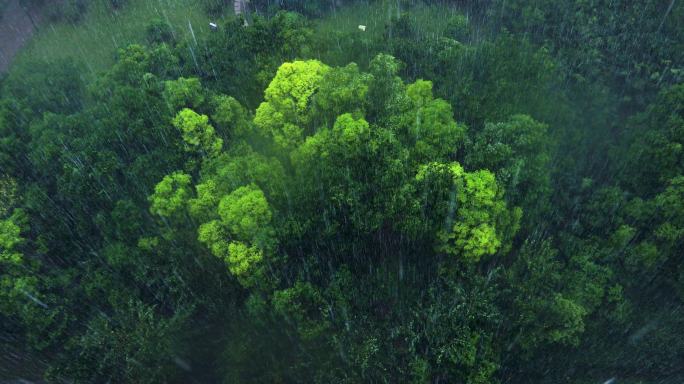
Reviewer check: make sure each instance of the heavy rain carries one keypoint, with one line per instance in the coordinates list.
(342, 191)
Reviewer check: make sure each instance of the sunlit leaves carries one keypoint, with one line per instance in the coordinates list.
(342, 168)
(477, 221)
(9, 239)
(199, 136)
(434, 133)
(246, 213)
(242, 165)
(420, 92)
(171, 194)
(17, 282)
(284, 114)
(351, 133)
(242, 231)
(203, 206)
(244, 261)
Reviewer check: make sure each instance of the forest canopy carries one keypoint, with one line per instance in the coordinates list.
(497, 198)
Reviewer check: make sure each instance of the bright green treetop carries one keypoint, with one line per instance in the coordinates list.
(198, 135)
(478, 222)
(171, 194)
(245, 212)
(242, 233)
(433, 131)
(284, 116)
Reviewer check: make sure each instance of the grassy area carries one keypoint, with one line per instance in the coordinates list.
(96, 39)
(375, 16)
(341, 27)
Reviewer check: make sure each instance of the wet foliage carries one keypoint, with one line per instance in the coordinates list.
(495, 198)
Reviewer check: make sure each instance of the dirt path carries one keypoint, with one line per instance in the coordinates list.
(16, 30)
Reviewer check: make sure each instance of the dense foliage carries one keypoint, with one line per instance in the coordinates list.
(498, 201)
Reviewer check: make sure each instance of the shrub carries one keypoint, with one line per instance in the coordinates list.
(159, 32)
(118, 4)
(458, 28)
